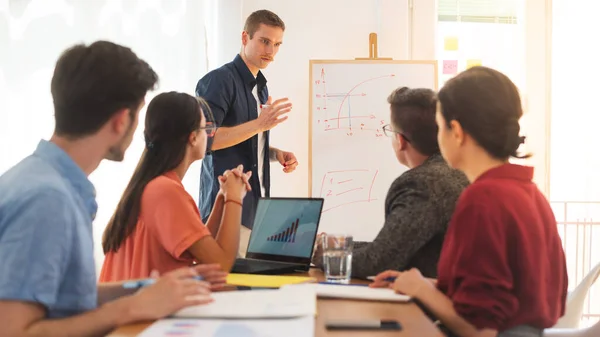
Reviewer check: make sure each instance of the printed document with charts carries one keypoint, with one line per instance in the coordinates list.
(277, 303)
(288, 327)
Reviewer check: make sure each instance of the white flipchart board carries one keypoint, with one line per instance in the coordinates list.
(352, 164)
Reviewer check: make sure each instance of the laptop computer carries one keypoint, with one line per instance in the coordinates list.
(283, 236)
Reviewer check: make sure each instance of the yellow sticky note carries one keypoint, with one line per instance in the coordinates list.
(450, 43)
(265, 281)
(473, 63)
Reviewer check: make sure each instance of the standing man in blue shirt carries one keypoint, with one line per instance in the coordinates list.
(244, 113)
(47, 205)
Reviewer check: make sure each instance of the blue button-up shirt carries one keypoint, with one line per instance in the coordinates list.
(47, 205)
(228, 92)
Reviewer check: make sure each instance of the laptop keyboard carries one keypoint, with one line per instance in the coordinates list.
(247, 266)
(258, 263)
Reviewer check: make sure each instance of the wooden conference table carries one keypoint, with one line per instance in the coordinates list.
(413, 320)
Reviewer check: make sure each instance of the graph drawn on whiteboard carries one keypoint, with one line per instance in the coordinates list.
(352, 162)
(336, 113)
(347, 187)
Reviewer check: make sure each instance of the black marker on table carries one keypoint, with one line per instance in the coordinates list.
(369, 324)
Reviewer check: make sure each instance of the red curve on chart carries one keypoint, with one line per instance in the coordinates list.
(353, 88)
(372, 183)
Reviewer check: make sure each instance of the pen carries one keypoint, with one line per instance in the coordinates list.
(146, 282)
(387, 279)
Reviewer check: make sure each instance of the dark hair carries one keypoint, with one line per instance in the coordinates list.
(413, 114)
(92, 83)
(487, 105)
(170, 119)
(265, 17)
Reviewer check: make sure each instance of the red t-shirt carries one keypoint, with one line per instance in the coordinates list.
(502, 262)
(169, 223)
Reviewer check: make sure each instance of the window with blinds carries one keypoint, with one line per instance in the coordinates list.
(486, 11)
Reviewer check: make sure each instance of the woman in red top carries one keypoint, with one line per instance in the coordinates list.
(502, 267)
(157, 225)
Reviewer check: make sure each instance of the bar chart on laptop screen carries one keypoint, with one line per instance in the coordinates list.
(288, 235)
(285, 227)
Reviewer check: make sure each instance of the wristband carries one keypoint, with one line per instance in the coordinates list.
(234, 201)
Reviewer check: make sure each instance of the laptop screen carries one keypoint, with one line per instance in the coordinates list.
(285, 227)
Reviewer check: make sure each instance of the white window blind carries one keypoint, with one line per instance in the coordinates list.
(487, 11)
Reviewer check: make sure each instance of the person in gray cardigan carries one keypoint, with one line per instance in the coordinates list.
(419, 203)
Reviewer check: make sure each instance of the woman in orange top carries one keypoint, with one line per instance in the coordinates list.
(157, 225)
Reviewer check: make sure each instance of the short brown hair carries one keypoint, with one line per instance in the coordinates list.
(487, 105)
(93, 82)
(265, 17)
(413, 114)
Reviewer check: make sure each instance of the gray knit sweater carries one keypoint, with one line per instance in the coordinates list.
(418, 208)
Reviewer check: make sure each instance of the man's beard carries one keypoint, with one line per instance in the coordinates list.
(117, 151)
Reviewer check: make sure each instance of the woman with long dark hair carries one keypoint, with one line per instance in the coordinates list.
(502, 269)
(157, 225)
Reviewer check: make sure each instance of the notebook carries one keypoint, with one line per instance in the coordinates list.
(290, 327)
(265, 281)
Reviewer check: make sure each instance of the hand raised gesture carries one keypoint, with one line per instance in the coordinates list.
(273, 113)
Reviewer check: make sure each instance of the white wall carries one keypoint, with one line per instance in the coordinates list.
(536, 121)
(575, 115)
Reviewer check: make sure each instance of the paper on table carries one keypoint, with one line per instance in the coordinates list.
(353, 292)
(265, 281)
(293, 327)
(277, 303)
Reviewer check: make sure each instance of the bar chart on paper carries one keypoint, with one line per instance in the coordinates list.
(293, 327)
(352, 163)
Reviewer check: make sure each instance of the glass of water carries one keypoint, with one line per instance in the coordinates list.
(337, 258)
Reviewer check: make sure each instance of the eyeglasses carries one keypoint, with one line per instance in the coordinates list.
(210, 129)
(387, 130)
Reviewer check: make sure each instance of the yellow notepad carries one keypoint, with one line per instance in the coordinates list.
(265, 281)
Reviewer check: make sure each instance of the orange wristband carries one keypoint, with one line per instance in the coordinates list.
(234, 201)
